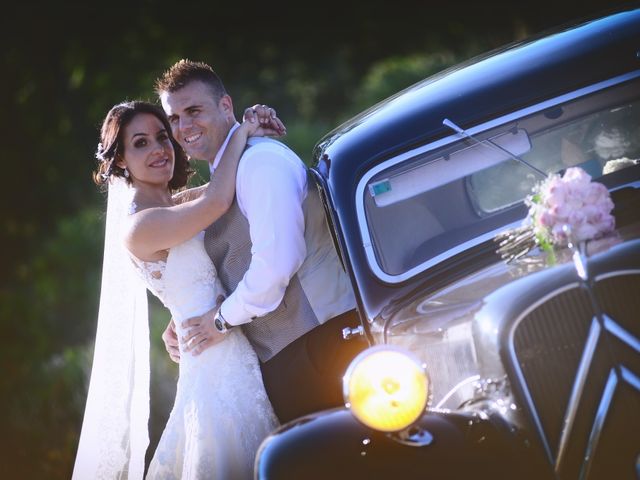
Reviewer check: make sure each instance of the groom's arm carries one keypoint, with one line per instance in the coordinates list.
(270, 189)
(271, 186)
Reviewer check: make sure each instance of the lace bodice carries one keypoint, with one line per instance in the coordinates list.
(186, 283)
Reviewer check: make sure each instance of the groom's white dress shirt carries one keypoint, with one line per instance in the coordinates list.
(279, 243)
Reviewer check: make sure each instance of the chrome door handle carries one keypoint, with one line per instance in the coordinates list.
(348, 332)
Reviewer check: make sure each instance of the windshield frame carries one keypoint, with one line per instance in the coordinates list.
(478, 130)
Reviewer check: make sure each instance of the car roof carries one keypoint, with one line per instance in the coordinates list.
(494, 84)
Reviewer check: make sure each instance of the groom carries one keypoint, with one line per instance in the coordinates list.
(273, 253)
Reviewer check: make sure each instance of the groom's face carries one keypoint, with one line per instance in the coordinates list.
(198, 121)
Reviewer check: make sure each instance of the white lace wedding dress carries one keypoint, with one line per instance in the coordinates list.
(221, 412)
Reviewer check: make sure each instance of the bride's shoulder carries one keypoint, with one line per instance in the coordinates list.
(138, 225)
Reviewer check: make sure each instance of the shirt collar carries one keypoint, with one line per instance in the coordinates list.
(223, 147)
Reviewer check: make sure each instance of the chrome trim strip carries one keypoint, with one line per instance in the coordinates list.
(576, 391)
(361, 188)
(459, 385)
(621, 333)
(601, 414)
(629, 377)
(616, 273)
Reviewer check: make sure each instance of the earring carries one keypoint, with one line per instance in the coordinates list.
(126, 172)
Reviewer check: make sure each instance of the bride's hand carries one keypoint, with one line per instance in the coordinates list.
(264, 120)
(170, 340)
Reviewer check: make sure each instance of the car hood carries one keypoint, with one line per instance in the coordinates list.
(460, 300)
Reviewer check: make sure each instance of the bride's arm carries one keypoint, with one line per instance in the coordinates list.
(156, 229)
(189, 194)
(268, 119)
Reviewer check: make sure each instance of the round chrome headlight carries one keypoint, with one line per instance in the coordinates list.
(386, 388)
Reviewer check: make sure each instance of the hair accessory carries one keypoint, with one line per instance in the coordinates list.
(100, 152)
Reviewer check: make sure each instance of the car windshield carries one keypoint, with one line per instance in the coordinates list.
(426, 205)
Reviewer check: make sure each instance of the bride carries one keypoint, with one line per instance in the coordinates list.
(221, 412)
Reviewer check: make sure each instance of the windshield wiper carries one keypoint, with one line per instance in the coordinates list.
(448, 123)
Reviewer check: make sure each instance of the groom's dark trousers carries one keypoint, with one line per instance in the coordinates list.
(306, 376)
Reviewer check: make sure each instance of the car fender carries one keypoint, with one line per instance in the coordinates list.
(459, 445)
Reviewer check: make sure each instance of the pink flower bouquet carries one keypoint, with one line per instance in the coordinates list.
(571, 200)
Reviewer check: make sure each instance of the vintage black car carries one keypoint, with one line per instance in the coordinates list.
(532, 366)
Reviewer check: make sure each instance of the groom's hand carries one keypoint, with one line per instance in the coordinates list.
(201, 333)
(170, 339)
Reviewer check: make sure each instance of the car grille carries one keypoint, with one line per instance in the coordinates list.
(582, 377)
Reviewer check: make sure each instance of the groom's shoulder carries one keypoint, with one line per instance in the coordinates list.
(255, 144)
(259, 148)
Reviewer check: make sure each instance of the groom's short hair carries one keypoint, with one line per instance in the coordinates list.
(183, 72)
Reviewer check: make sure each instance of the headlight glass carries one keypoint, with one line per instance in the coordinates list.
(386, 388)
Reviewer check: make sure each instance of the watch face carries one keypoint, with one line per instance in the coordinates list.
(218, 323)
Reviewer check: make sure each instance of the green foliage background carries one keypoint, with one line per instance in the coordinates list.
(66, 63)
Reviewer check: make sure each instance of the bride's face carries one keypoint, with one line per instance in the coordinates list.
(148, 152)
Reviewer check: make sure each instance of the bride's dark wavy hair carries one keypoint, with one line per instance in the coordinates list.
(111, 146)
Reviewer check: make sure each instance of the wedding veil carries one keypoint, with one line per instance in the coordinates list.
(114, 435)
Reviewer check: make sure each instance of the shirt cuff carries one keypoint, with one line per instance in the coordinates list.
(233, 312)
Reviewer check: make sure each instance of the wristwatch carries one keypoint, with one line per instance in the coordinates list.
(220, 323)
